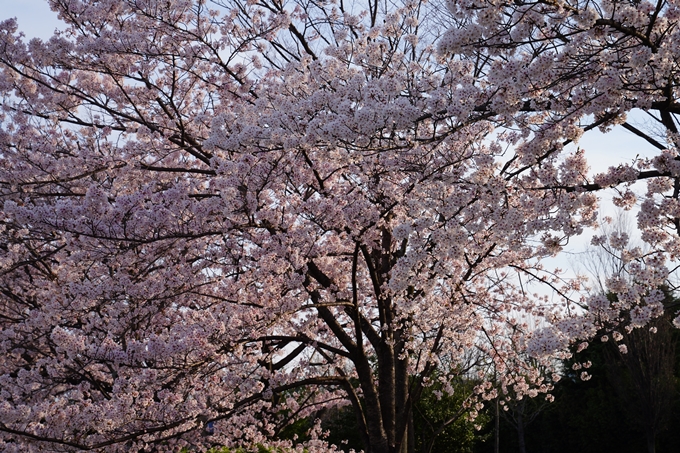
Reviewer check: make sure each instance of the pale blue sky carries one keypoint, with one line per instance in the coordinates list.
(35, 18)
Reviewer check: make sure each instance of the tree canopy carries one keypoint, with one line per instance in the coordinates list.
(221, 216)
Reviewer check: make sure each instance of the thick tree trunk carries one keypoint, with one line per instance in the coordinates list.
(497, 443)
(520, 431)
(411, 435)
(403, 404)
(651, 442)
(378, 442)
(403, 446)
(387, 390)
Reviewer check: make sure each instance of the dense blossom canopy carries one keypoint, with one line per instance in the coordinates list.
(550, 65)
(230, 214)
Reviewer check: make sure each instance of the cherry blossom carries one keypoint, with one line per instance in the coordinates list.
(220, 217)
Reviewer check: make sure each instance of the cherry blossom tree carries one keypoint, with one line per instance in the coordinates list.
(219, 217)
(549, 68)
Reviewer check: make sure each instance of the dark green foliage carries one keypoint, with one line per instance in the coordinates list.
(460, 436)
(341, 423)
(297, 431)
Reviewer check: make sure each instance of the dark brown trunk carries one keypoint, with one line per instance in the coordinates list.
(404, 422)
(387, 391)
(520, 430)
(497, 440)
(411, 434)
(651, 442)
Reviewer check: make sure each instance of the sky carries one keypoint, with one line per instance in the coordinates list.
(603, 150)
(35, 18)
